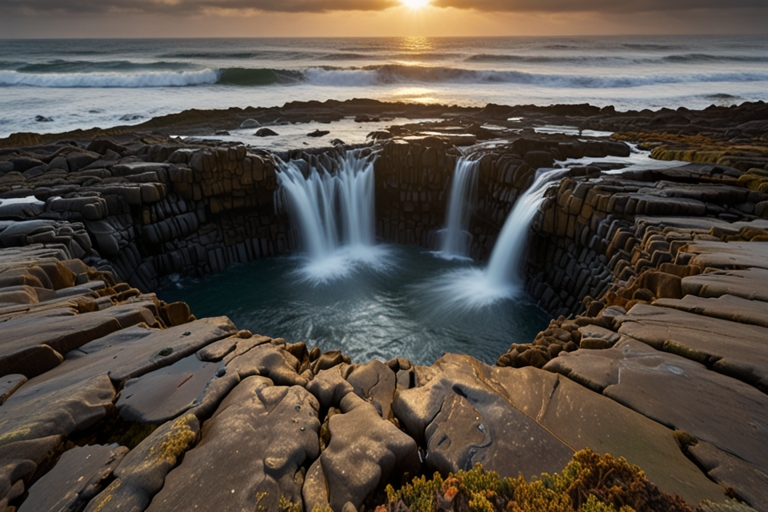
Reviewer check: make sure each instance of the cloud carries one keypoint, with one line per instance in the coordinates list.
(321, 6)
(603, 6)
(191, 6)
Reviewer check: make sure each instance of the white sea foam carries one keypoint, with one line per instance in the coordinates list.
(126, 80)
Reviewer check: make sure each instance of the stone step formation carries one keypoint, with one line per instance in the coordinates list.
(115, 400)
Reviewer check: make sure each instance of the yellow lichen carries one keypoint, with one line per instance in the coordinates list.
(176, 441)
(106, 496)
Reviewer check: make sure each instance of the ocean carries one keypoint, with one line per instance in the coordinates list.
(59, 85)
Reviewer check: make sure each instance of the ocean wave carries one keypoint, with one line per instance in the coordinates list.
(112, 66)
(396, 74)
(390, 74)
(127, 80)
(247, 77)
(542, 59)
(705, 57)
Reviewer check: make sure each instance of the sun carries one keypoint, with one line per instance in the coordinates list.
(415, 4)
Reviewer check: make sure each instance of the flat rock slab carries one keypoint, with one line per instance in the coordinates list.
(35, 412)
(77, 477)
(256, 443)
(731, 348)
(580, 418)
(751, 284)
(364, 452)
(135, 351)
(750, 483)
(731, 255)
(726, 307)
(679, 393)
(164, 394)
(22, 459)
(61, 332)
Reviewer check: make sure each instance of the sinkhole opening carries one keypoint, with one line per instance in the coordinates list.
(344, 291)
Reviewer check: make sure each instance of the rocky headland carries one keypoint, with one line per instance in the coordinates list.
(656, 279)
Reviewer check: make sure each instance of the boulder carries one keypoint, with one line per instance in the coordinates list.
(364, 453)
(375, 382)
(266, 132)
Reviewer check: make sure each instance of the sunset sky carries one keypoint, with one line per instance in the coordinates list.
(297, 18)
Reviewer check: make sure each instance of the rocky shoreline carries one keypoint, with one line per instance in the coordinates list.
(656, 276)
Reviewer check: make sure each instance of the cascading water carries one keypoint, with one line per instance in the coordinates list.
(506, 264)
(333, 206)
(455, 238)
(470, 289)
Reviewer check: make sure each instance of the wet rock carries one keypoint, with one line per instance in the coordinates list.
(78, 476)
(164, 394)
(43, 119)
(318, 133)
(380, 135)
(142, 472)
(266, 132)
(239, 464)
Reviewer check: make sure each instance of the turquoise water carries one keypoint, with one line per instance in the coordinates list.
(374, 312)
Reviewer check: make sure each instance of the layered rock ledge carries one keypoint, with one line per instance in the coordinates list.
(115, 400)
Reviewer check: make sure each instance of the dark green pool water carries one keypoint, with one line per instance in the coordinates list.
(382, 307)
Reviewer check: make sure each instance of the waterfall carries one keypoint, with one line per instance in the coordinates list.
(333, 207)
(455, 238)
(506, 264)
(474, 288)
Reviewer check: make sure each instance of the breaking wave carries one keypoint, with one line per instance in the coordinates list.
(133, 77)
